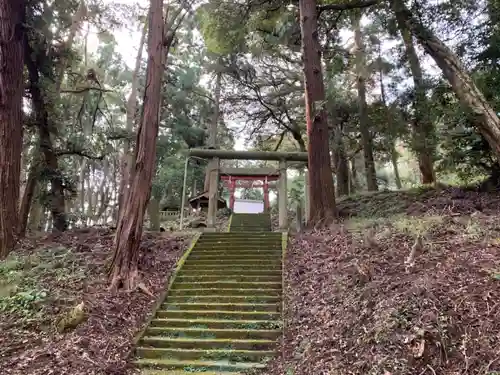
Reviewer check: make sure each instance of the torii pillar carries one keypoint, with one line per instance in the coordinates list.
(282, 197)
(266, 195)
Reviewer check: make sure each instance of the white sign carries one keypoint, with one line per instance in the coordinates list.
(248, 206)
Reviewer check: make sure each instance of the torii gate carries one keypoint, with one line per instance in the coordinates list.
(216, 155)
(241, 177)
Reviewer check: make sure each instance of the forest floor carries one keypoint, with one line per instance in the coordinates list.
(357, 301)
(48, 276)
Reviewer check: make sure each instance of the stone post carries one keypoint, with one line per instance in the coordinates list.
(213, 193)
(282, 196)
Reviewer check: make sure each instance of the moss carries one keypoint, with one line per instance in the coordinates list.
(73, 318)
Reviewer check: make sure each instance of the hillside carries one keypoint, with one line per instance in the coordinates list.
(356, 303)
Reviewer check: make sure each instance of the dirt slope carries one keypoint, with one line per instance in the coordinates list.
(358, 303)
(46, 277)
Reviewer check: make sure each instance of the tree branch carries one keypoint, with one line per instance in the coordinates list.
(81, 153)
(85, 89)
(356, 4)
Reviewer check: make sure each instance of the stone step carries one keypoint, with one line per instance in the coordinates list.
(206, 343)
(218, 314)
(205, 355)
(223, 252)
(227, 285)
(245, 262)
(235, 257)
(172, 364)
(225, 291)
(230, 267)
(231, 246)
(230, 272)
(251, 324)
(222, 333)
(225, 299)
(227, 277)
(273, 307)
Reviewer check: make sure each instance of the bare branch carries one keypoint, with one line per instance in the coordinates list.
(81, 153)
(85, 89)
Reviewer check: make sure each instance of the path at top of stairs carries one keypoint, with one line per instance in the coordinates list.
(222, 314)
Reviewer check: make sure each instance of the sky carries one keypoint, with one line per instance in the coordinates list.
(128, 41)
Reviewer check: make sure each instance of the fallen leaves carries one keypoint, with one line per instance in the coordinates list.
(102, 343)
(351, 308)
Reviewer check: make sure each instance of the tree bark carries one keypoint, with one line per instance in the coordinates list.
(394, 161)
(456, 74)
(12, 14)
(127, 156)
(340, 164)
(423, 142)
(124, 271)
(364, 120)
(322, 209)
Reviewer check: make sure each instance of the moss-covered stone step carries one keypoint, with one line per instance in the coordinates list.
(221, 333)
(251, 257)
(206, 355)
(192, 291)
(230, 271)
(206, 343)
(216, 323)
(229, 277)
(227, 284)
(225, 299)
(193, 366)
(218, 314)
(239, 262)
(236, 267)
(274, 307)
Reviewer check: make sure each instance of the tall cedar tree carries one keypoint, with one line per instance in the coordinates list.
(124, 268)
(321, 189)
(11, 117)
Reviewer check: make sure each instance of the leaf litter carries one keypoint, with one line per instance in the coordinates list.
(56, 273)
(387, 305)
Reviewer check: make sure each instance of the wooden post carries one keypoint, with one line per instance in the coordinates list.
(213, 193)
(282, 197)
(306, 194)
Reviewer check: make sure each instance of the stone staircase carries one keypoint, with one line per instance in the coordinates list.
(250, 223)
(222, 314)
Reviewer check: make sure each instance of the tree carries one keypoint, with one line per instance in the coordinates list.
(124, 269)
(364, 120)
(322, 194)
(464, 87)
(11, 118)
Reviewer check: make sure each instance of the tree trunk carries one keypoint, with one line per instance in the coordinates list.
(322, 193)
(124, 271)
(212, 140)
(364, 120)
(36, 213)
(127, 156)
(456, 74)
(340, 164)
(57, 204)
(11, 119)
(394, 161)
(29, 192)
(423, 142)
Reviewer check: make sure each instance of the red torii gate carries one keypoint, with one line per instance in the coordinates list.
(245, 178)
